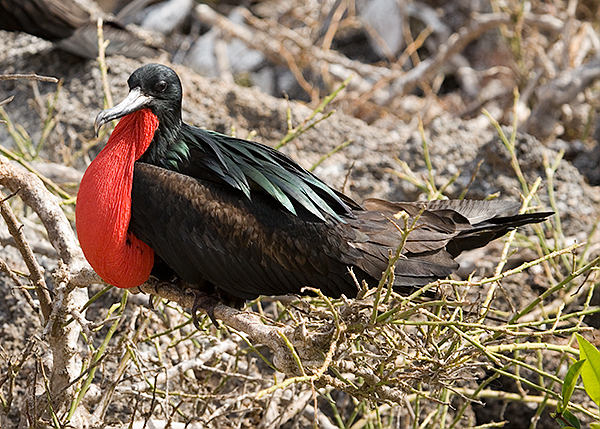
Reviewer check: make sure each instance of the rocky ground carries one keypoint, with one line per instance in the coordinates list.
(461, 142)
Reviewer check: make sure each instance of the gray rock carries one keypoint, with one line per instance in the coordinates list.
(385, 17)
(167, 16)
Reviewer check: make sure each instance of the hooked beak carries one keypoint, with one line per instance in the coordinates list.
(132, 103)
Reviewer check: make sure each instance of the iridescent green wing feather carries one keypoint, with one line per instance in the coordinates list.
(248, 166)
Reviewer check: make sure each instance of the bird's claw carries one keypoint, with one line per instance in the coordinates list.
(206, 302)
(151, 302)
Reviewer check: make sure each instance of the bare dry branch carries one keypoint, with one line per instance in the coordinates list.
(551, 96)
(8, 100)
(61, 337)
(249, 323)
(342, 67)
(222, 347)
(28, 76)
(36, 273)
(275, 50)
(456, 43)
(32, 191)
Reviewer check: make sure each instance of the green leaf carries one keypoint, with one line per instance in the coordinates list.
(590, 371)
(569, 384)
(567, 420)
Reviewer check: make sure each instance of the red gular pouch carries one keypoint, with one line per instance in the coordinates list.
(103, 208)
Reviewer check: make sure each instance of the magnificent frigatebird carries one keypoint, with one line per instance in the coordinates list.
(240, 219)
(70, 26)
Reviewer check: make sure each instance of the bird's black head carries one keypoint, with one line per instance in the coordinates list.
(153, 86)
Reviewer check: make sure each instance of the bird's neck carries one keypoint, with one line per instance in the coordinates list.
(168, 132)
(103, 207)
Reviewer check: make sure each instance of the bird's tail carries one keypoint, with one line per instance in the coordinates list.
(442, 230)
(488, 220)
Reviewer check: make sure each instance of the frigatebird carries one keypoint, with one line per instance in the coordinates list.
(70, 26)
(239, 219)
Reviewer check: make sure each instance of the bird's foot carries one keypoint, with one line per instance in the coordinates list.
(151, 301)
(207, 302)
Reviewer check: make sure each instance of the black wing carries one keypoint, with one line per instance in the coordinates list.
(49, 19)
(207, 231)
(212, 232)
(68, 24)
(254, 168)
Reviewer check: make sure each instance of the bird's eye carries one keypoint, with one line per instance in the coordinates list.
(160, 86)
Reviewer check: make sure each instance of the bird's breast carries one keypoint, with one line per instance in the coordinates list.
(103, 207)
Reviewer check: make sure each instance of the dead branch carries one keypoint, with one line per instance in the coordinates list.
(225, 346)
(10, 273)
(561, 90)
(457, 42)
(8, 100)
(33, 192)
(61, 337)
(364, 74)
(246, 322)
(249, 323)
(39, 246)
(28, 76)
(274, 49)
(36, 272)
